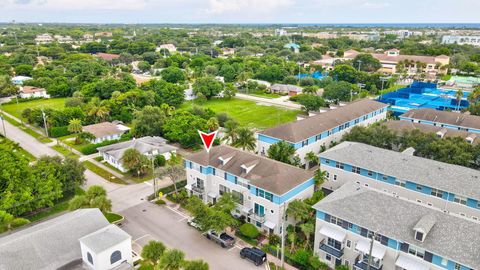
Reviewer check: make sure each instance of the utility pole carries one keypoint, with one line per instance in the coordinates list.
(282, 259)
(3, 123)
(370, 252)
(154, 178)
(359, 64)
(45, 122)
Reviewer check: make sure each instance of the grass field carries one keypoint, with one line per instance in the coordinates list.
(103, 173)
(17, 148)
(64, 151)
(248, 113)
(263, 94)
(17, 109)
(112, 217)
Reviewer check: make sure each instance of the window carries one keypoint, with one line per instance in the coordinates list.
(416, 251)
(115, 257)
(318, 137)
(419, 187)
(356, 170)
(429, 204)
(385, 177)
(339, 165)
(328, 175)
(444, 262)
(347, 263)
(222, 189)
(457, 266)
(419, 201)
(336, 221)
(237, 195)
(225, 176)
(347, 124)
(460, 200)
(418, 236)
(334, 177)
(400, 183)
(370, 173)
(462, 214)
(214, 171)
(89, 258)
(334, 243)
(328, 257)
(304, 143)
(437, 193)
(349, 243)
(327, 161)
(475, 218)
(365, 184)
(271, 211)
(357, 120)
(265, 195)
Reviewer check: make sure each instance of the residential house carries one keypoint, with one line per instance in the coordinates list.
(263, 186)
(169, 47)
(444, 119)
(403, 33)
(33, 92)
(292, 46)
(285, 89)
(82, 239)
(103, 34)
(356, 222)
(441, 132)
(63, 39)
(147, 146)
(437, 185)
(19, 80)
(107, 56)
(280, 32)
(105, 131)
(44, 38)
(88, 37)
(316, 133)
(461, 40)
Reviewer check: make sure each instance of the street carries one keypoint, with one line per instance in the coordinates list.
(147, 221)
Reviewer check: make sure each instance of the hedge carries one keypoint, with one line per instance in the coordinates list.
(92, 148)
(56, 132)
(249, 230)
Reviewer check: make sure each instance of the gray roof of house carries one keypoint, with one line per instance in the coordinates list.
(268, 174)
(105, 238)
(304, 129)
(446, 177)
(286, 88)
(143, 145)
(50, 244)
(451, 237)
(451, 118)
(103, 129)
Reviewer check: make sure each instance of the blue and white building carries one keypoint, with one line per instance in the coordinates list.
(444, 119)
(263, 186)
(317, 132)
(405, 234)
(436, 185)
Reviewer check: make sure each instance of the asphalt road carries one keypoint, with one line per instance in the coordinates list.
(147, 221)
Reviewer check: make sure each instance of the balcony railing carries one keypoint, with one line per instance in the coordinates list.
(198, 189)
(362, 265)
(258, 217)
(331, 250)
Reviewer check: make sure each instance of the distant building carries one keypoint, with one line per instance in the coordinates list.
(103, 34)
(148, 146)
(228, 51)
(280, 32)
(107, 56)
(19, 80)
(403, 33)
(63, 39)
(464, 82)
(105, 131)
(88, 37)
(169, 47)
(461, 40)
(450, 120)
(292, 46)
(80, 240)
(44, 38)
(285, 89)
(33, 92)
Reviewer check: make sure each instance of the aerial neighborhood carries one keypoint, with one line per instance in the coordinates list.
(192, 146)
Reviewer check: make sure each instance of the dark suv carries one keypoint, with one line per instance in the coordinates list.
(254, 254)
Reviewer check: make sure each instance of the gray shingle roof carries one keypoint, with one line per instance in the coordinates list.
(104, 238)
(103, 129)
(285, 88)
(50, 244)
(143, 145)
(304, 129)
(451, 237)
(451, 118)
(268, 174)
(446, 177)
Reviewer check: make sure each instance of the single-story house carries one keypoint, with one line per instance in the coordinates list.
(32, 92)
(18, 80)
(105, 131)
(148, 146)
(285, 89)
(82, 239)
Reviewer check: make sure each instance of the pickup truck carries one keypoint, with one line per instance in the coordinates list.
(223, 239)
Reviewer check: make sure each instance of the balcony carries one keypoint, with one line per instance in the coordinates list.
(330, 250)
(198, 189)
(363, 265)
(258, 217)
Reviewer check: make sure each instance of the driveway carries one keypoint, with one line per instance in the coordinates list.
(147, 221)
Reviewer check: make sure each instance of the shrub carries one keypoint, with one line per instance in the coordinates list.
(18, 222)
(222, 118)
(274, 239)
(160, 161)
(160, 202)
(301, 257)
(56, 132)
(249, 230)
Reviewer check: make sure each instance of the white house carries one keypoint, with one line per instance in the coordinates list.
(105, 131)
(315, 133)
(19, 80)
(33, 92)
(106, 248)
(170, 47)
(264, 187)
(148, 146)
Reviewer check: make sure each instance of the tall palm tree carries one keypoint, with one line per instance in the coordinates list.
(173, 259)
(458, 97)
(133, 160)
(231, 131)
(246, 140)
(75, 125)
(474, 95)
(310, 157)
(307, 229)
(319, 178)
(212, 124)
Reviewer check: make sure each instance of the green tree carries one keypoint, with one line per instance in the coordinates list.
(310, 102)
(458, 97)
(212, 124)
(345, 73)
(173, 259)
(95, 197)
(281, 151)
(135, 161)
(153, 252)
(245, 139)
(229, 91)
(299, 210)
(75, 126)
(339, 91)
(320, 177)
(208, 86)
(196, 265)
(182, 127)
(148, 122)
(367, 62)
(144, 66)
(6, 86)
(174, 173)
(173, 75)
(311, 159)
(307, 229)
(231, 131)
(24, 70)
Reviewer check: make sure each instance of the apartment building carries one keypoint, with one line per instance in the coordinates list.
(356, 222)
(317, 132)
(449, 188)
(444, 119)
(461, 40)
(264, 187)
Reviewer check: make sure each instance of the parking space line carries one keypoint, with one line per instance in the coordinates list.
(177, 212)
(141, 237)
(232, 248)
(182, 219)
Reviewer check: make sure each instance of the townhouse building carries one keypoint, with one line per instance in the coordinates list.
(356, 222)
(315, 133)
(445, 119)
(264, 187)
(449, 188)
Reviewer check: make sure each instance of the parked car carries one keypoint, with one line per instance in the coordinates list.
(254, 254)
(223, 239)
(191, 222)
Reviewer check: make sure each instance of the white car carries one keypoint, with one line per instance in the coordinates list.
(191, 222)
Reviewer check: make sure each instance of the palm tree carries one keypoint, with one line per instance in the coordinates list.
(231, 131)
(75, 126)
(299, 210)
(196, 265)
(307, 230)
(291, 238)
(172, 259)
(153, 251)
(246, 140)
(281, 151)
(212, 124)
(319, 177)
(133, 160)
(474, 95)
(310, 158)
(458, 97)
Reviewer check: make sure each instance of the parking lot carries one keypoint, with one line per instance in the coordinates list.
(147, 221)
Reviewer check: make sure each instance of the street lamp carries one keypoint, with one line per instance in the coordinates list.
(359, 64)
(45, 122)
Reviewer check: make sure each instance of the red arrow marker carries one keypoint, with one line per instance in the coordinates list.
(207, 139)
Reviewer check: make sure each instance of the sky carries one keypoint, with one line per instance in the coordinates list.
(241, 11)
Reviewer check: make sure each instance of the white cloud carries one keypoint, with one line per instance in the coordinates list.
(256, 6)
(80, 4)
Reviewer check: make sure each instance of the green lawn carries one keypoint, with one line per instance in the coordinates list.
(112, 217)
(248, 113)
(64, 151)
(102, 173)
(17, 109)
(127, 175)
(263, 94)
(17, 148)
